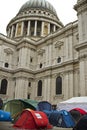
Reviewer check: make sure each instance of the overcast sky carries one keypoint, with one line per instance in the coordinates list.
(9, 8)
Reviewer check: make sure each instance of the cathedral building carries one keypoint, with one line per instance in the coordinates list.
(40, 58)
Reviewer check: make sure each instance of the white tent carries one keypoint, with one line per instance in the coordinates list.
(75, 102)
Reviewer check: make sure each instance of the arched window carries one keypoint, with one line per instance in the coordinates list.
(39, 89)
(58, 59)
(6, 64)
(58, 85)
(41, 65)
(3, 88)
(29, 84)
(28, 96)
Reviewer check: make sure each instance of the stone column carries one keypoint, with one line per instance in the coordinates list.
(52, 89)
(82, 78)
(70, 88)
(49, 28)
(54, 28)
(42, 29)
(47, 56)
(70, 49)
(22, 28)
(66, 89)
(8, 32)
(47, 83)
(76, 87)
(28, 31)
(24, 56)
(12, 31)
(16, 29)
(35, 29)
(66, 49)
(50, 54)
(45, 88)
(48, 89)
(21, 88)
(10, 88)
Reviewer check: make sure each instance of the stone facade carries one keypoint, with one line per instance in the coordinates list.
(41, 59)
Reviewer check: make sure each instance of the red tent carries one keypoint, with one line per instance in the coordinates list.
(30, 119)
(82, 112)
(77, 113)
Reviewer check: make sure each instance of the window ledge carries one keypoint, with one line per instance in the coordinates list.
(39, 97)
(59, 96)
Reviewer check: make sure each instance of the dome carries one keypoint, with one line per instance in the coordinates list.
(35, 19)
(41, 4)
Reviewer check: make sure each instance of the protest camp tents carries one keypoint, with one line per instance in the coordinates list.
(56, 118)
(75, 102)
(15, 106)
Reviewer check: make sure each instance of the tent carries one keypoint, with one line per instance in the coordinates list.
(61, 119)
(44, 105)
(16, 106)
(77, 113)
(30, 119)
(81, 124)
(75, 102)
(5, 116)
(81, 111)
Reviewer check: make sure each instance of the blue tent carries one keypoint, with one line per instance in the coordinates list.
(44, 105)
(5, 116)
(61, 119)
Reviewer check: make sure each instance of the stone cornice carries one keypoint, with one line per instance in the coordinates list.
(81, 46)
(47, 71)
(81, 6)
(27, 44)
(33, 17)
(82, 57)
(7, 40)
